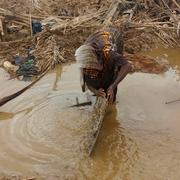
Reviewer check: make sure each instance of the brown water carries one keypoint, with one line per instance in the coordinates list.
(140, 139)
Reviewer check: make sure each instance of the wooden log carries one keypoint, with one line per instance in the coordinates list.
(116, 7)
(96, 121)
(113, 10)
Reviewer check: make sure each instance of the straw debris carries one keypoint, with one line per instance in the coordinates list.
(143, 24)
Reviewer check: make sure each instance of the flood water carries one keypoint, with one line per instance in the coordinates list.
(140, 139)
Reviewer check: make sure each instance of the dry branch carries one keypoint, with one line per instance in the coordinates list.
(175, 2)
(113, 10)
(91, 19)
(47, 51)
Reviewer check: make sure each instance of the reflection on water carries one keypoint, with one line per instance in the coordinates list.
(58, 72)
(173, 55)
(139, 139)
(5, 115)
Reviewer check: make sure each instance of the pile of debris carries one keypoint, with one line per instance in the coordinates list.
(143, 24)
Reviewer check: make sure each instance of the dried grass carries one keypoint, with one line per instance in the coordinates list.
(58, 43)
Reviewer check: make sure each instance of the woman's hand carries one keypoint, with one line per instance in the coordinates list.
(110, 94)
(97, 92)
(100, 92)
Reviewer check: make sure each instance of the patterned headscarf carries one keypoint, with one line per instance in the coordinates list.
(97, 45)
(86, 58)
(101, 41)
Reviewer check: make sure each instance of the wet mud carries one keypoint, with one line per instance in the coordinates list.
(41, 134)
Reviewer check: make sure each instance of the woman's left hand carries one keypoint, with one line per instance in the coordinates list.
(110, 94)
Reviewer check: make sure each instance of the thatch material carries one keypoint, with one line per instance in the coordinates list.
(142, 24)
(47, 51)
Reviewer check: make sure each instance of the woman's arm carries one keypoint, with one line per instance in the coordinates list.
(124, 70)
(82, 80)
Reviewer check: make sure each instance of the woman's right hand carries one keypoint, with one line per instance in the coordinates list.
(97, 92)
(100, 92)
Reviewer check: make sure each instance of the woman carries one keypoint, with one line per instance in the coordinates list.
(101, 67)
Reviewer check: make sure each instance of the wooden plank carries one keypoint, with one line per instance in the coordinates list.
(96, 121)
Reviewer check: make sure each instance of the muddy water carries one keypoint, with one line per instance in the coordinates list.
(140, 139)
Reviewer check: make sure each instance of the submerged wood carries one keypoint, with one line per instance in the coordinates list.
(96, 121)
(88, 103)
(169, 102)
